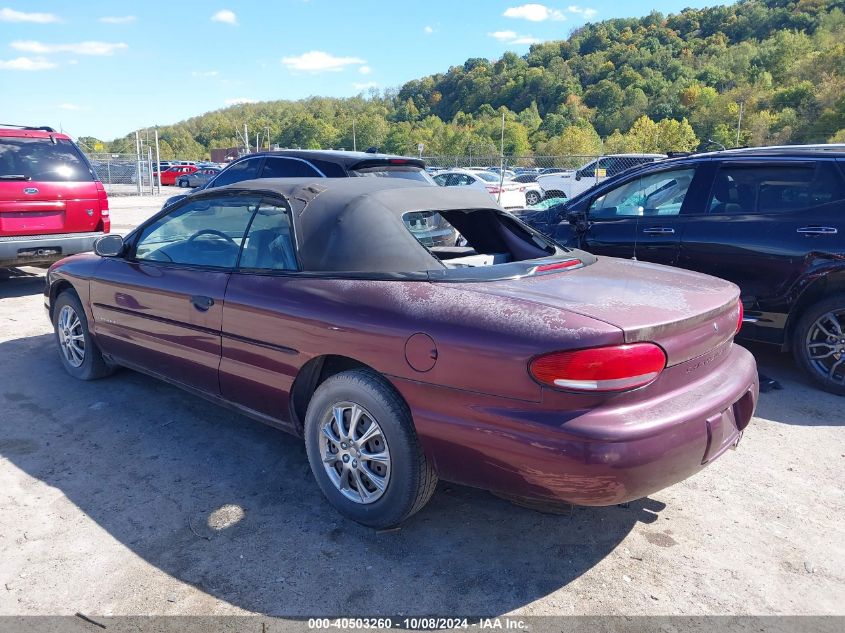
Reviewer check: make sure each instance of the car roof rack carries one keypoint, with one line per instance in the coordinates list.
(43, 128)
(817, 147)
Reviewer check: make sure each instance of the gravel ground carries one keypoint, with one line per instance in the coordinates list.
(127, 496)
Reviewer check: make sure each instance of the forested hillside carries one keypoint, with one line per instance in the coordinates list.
(654, 83)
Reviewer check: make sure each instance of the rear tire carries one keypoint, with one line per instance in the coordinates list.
(532, 198)
(381, 492)
(78, 352)
(818, 343)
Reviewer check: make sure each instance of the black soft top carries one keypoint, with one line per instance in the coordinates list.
(356, 224)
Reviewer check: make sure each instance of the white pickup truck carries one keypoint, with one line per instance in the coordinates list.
(568, 184)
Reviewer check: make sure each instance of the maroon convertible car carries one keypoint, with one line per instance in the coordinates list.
(511, 363)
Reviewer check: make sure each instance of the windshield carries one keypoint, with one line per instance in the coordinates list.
(395, 171)
(41, 160)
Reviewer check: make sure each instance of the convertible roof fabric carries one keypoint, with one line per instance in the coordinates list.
(355, 224)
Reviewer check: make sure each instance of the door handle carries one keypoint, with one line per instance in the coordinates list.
(817, 230)
(202, 303)
(659, 230)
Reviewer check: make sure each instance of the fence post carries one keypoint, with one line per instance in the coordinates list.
(158, 162)
(138, 161)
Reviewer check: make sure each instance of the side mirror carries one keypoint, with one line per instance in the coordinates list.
(108, 245)
(578, 175)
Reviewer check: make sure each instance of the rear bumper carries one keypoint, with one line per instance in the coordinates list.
(622, 449)
(44, 249)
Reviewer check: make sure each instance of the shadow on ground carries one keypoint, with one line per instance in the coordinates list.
(154, 466)
(798, 401)
(18, 283)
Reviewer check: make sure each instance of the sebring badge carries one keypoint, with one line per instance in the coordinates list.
(30, 190)
(715, 327)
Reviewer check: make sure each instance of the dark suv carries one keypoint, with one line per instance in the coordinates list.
(51, 202)
(305, 163)
(770, 220)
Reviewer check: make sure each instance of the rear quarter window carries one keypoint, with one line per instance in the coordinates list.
(42, 160)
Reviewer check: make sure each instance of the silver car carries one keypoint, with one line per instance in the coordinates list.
(198, 178)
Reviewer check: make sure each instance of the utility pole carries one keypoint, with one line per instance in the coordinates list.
(354, 139)
(246, 139)
(739, 122)
(502, 162)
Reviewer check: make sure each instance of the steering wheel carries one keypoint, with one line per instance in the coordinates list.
(214, 232)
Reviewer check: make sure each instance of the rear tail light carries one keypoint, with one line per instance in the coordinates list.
(600, 369)
(103, 198)
(741, 316)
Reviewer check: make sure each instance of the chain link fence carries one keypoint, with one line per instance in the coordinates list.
(125, 174)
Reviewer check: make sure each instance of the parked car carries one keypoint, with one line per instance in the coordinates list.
(509, 195)
(570, 183)
(296, 163)
(51, 201)
(770, 220)
(526, 177)
(198, 178)
(171, 174)
(309, 305)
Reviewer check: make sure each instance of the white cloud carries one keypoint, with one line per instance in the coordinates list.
(82, 48)
(204, 73)
(318, 61)
(512, 37)
(10, 15)
(365, 85)
(240, 101)
(586, 12)
(118, 19)
(365, 70)
(225, 16)
(428, 30)
(534, 13)
(503, 36)
(26, 63)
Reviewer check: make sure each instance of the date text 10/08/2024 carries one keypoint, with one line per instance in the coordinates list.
(420, 623)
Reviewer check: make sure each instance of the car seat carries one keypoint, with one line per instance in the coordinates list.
(726, 196)
(270, 249)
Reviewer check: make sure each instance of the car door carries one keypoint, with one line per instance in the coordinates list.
(763, 217)
(641, 217)
(160, 307)
(259, 347)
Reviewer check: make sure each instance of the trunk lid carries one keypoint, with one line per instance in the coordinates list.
(38, 208)
(686, 313)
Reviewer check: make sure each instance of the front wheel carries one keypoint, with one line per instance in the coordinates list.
(532, 198)
(78, 352)
(819, 343)
(364, 452)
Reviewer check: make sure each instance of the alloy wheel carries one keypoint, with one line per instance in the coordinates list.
(825, 345)
(71, 336)
(355, 453)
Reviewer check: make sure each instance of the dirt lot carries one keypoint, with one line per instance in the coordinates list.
(127, 496)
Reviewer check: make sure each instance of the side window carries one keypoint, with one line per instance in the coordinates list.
(205, 232)
(461, 180)
(238, 172)
(269, 244)
(441, 179)
(657, 194)
(287, 168)
(745, 189)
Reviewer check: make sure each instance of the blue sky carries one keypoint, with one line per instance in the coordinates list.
(106, 68)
